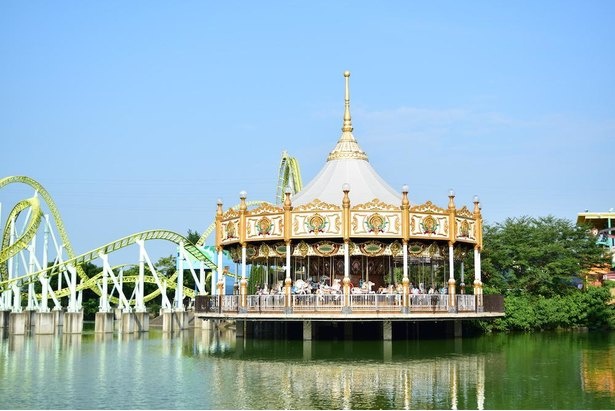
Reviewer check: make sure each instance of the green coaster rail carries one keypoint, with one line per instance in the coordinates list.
(10, 250)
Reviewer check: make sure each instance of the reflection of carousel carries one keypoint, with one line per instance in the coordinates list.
(349, 227)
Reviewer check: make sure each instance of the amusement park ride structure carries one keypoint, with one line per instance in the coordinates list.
(36, 248)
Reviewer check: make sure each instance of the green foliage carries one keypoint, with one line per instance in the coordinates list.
(257, 278)
(537, 256)
(588, 308)
(193, 236)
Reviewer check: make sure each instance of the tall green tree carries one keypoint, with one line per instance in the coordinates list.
(193, 236)
(537, 256)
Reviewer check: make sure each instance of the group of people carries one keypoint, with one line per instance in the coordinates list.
(310, 286)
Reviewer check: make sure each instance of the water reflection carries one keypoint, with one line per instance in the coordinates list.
(344, 374)
(212, 369)
(598, 369)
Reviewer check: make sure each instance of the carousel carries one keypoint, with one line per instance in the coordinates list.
(349, 233)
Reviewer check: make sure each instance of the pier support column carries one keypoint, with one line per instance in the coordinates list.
(142, 322)
(240, 328)
(44, 323)
(59, 317)
(73, 323)
(18, 323)
(103, 322)
(174, 321)
(4, 319)
(347, 331)
(307, 331)
(458, 329)
(387, 331)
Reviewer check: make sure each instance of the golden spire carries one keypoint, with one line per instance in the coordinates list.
(347, 146)
(347, 120)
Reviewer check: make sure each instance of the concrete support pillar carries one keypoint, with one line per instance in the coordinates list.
(18, 323)
(103, 323)
(458, 330)
(348, 331)
(307, 350)
(4, 319)
(142, 321)
(44, 323)
(59, 317)
(174, 321)
(73, 323)
(240, 328)
(307, 330)
(387, 350)
(387, 330)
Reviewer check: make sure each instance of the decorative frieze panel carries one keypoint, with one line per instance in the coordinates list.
(382, 224)
(265, 227)
(230, 231)
(429, 225)
(466, 229)
(316, 224)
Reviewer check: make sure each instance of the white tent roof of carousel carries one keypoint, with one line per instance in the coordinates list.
(347, 164)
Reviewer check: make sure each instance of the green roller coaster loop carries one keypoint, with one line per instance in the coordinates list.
(7, 251)
(33, 223)
(289, 175)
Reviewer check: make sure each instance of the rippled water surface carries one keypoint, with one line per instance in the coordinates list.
(213, 369)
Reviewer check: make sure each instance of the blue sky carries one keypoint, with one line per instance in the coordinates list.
(139, 115)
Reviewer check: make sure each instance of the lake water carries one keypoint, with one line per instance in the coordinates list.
(212, 369)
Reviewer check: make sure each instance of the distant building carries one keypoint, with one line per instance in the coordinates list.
(602, 225)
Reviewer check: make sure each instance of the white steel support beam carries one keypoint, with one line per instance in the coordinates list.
(140, 286)
(108, 271)
(32, 303)
(72, 286)
(200, 283)
(179, 290)
(44, 307)
(103, 305)
(166, 304)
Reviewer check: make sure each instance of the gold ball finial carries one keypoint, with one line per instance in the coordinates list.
(347, 73)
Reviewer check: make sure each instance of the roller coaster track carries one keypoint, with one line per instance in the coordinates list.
(10, 249)
(289, 175)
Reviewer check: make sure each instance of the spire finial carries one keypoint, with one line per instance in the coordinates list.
(347, 121)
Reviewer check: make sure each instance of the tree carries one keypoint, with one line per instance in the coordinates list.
(193, 236)
(537, 256)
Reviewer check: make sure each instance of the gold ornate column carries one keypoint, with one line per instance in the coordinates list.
(452, 298)
(243, 284)
(405, 230)
(219, 249)
(346, 237)
(478, 285)
(287, 239)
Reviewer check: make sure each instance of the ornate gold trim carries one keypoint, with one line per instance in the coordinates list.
(266, 208)
(317, 205)
(464, 212)
(374, 205)
(428, 207)
(230, 213)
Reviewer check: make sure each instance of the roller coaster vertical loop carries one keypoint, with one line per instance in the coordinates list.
(288, 176)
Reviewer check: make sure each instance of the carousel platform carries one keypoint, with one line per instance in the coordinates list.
(370, 307)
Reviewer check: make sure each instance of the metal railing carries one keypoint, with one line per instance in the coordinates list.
(358, 303)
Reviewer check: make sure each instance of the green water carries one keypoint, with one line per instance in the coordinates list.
(213, 370)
